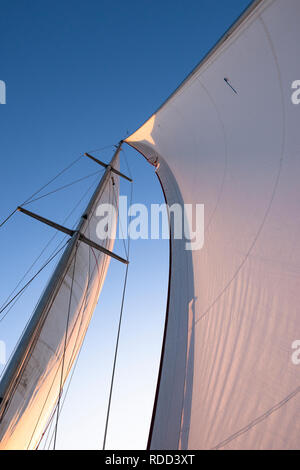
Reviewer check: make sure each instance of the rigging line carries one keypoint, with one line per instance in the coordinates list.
(130, 204)
(47, 245)
(27, 272)
(50, 422)
(81, 312)
(126, 162)
(80, 349)
(53, 179)
(64, 187)
(7, 218)
(61, 408)
(103, 148)
(76, 362)
(120, 224)
(47, 428)
(32, 279)
(115, 361)
(35, 340)
(74, 368)
(43, 187)
(117, 344)
(63, 402)
(50, 241)
(65, 347)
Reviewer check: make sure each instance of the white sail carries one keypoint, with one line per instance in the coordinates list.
(32, 384)
(229, 138)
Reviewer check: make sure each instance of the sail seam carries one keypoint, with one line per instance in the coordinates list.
(258, 420)
(260, 229)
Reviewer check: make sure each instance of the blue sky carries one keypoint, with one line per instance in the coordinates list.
(79, 76)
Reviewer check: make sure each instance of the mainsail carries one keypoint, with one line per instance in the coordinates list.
(229, 138)
(33, 381)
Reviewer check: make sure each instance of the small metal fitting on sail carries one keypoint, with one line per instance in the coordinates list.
(226, 80)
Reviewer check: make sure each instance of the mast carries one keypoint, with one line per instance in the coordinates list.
(14, 371)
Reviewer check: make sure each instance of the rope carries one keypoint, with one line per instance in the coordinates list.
(41, 189)
(80, 313)
(121, 228)
(103, 148)
(70, 380)
(127, 164)
(30, 199)
(53, 179)
(63, 187)
(7, 218)
(89, 280)
(58, 408)
(115, 362)
(45, 248)
(30, 281)
(117, 341)
(64, 353)
(61, 408)
(74, 348)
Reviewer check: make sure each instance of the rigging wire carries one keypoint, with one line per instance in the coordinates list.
(7, 218)
(47, 245)
(103, 148)
(100, 275)
(29, 199)
(117, 340)
(82, 302)
(49, 425)
(62, 372)
(89, 280)
(43, 187)
(68, 216)
(126, 162)
(30, 281)
(50, 422)
(81, 312)
(63, 187)
(65, 347)
(120, 224)
(54, 178)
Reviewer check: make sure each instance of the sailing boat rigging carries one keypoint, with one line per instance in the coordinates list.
(32, 384)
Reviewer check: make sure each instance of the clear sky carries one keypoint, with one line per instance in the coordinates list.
(80, 75)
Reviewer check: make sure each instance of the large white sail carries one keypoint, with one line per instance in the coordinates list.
(32, 383)
(229, 138)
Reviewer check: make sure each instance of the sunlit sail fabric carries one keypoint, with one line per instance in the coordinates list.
(37, 386)
(229, 138)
